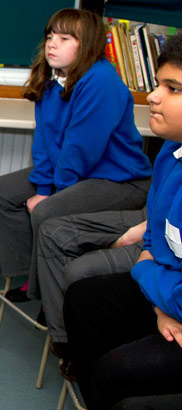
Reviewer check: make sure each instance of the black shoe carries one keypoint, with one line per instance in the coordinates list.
(59, 349)
(17, 295)
(41, 317)
(67, 371)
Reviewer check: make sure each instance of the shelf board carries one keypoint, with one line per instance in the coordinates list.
(140, 97)
(11, 91)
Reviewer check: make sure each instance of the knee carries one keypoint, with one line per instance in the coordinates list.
(82, 267)
(129, 404)
(74, 271)
(38, 215)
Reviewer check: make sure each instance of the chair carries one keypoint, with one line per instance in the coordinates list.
(68, 387)
(4, 302)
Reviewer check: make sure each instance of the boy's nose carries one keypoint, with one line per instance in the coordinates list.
(154, 96)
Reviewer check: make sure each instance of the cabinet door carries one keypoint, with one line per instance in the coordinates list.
(164, 12)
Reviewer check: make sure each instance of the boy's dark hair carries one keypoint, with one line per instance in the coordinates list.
(85, 26)
(171, 51)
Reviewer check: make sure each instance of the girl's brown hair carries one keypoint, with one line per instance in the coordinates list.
(85, 26)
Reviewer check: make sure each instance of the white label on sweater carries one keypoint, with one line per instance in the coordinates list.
(178, 153)
(173, 239)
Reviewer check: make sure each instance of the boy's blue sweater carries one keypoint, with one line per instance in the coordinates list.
(161, 280)
(92, 135)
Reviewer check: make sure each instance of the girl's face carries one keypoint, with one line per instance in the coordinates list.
(166, 103)
(61, 51)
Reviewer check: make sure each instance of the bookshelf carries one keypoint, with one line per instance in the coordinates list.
(157, 12)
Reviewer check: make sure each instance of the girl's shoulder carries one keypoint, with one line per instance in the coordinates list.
(103, 72)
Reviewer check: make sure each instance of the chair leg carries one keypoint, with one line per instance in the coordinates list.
(6, 288)
(73, 395)
(68, 387)
(39, 326)
(43, 362)
(62, 398)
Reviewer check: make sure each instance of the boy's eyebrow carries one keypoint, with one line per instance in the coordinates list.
(173, 81)
(170, 81)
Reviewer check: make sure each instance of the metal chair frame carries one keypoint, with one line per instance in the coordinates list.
(68, 387)
(4, 302)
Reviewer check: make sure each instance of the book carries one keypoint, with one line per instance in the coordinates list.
(142, 54)
(149, 56)
(157, 44)
(161, 41)
(129, 54)
(136, 58)
(154, 50)
(119, 53)
(125, 55)
(111, 50)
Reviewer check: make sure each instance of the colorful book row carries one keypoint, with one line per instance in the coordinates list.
(134, 53)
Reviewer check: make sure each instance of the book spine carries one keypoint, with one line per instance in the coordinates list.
(142, 58)
(149, 57)
(111, 51)
(138, 69)
(161, 41)
(125, 58)
(130, 66)
(157, 46)
(119, 53)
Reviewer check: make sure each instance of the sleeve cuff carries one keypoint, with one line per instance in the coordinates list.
(44, 189)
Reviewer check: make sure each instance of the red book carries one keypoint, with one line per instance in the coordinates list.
(111, 51)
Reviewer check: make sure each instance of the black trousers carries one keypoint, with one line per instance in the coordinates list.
(115, 346)
(161, 402)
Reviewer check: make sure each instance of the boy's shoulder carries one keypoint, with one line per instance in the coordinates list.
(169, 147)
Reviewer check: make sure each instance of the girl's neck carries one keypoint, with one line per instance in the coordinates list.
(58, 77)
(59, 72)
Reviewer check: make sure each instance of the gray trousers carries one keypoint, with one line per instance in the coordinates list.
(18, 231)
(75, 247)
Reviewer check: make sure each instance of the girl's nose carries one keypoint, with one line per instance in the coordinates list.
(52, 43)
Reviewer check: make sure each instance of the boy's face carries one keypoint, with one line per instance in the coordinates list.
(166, 103)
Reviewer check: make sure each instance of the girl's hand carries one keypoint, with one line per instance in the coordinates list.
(131, 236)
(169, 328)
(33, 201)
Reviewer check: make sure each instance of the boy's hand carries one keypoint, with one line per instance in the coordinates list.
(169, 328)
(34, 200)
(133, 235)
(145, 255)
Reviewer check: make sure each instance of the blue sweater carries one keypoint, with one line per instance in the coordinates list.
(161, 280)
(92, 135)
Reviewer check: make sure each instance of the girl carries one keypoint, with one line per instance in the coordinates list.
(87, 152)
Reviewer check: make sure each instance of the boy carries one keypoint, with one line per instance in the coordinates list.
(125, 331)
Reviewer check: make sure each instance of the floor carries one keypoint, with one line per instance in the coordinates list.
(21, 346)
